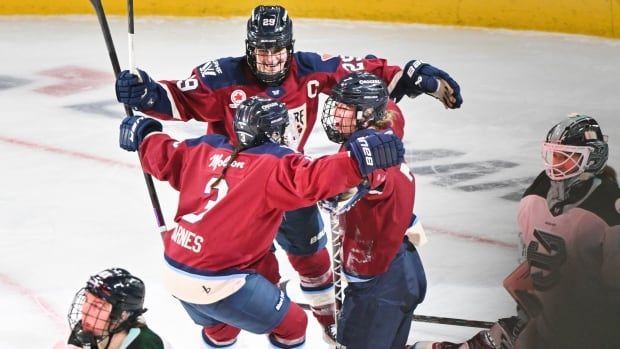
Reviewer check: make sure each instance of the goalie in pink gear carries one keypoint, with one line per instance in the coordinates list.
(568, 285)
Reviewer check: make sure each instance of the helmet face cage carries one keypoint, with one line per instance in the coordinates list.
(573, 147)
(564, 161)
(269, 44)
(259, 120)
(356, 102)
(111, 301)
(92, 315)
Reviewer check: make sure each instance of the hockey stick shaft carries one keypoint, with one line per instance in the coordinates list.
(452, 321)
(105, 29)
(419, 318)
(130, 35)
(337, 233)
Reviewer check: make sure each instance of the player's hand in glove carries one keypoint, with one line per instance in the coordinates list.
(373, 151)
(134, 129)
(139, 92)
(419, 77)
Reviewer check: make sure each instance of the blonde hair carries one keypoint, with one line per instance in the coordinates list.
(386, 121)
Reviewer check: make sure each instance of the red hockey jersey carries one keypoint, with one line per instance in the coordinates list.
(231, 226)
(376, 225)
(215, 89)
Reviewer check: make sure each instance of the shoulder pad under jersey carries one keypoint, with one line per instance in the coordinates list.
(214, 140)
(223, 72)
(310, 62)
(540, 187)
(274, 149)
(604, 202)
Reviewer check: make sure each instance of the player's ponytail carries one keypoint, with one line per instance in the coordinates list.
(232, 158)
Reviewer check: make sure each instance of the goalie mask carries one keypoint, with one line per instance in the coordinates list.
(259, 120)
(356, 102)
(575, 148)
(269, 44)
(111, 302)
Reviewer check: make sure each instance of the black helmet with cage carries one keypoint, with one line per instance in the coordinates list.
(575, 148)
(259, 120)
(364, 94)
(116, 286)
(269, 28)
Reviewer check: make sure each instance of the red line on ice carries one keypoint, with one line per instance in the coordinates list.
(57, 319)
(471, 237)
(71, 153)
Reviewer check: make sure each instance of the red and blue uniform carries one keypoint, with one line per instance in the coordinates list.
(386, 279)
(212, 93)
(215, 88)
(218, 259)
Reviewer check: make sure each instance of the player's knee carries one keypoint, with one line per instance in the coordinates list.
(291, 332)
(220, 336)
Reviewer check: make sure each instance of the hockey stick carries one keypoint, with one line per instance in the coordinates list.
(105, 29)
(335, 221)
(421, 318)
(336, 208)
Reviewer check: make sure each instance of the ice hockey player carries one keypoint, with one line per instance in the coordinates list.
(567, 288)
(222, 269)
(107, 314)
(384, 273)
(271, 68)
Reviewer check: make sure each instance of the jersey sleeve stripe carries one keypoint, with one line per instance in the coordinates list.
(173, 106)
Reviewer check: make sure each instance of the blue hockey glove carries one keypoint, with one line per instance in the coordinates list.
(373, 151)
(134, 129)
(419, 77)
(344, 202)
(140, 93)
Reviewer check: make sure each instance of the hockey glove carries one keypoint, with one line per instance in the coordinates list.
(140, 93)
(134, 129)
(373, 151)
(419, 77)
(344, 202)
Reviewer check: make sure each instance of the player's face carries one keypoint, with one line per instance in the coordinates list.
(95, 315)
(566, 163)
(272, 60)
(344, 118)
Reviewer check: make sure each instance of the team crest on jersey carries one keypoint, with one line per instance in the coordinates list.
(211, 68)
(236, 97)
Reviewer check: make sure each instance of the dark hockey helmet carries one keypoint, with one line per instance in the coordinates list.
(269, 28)
(359, 96)
(259, 120)
(116, 286)
(575, 147)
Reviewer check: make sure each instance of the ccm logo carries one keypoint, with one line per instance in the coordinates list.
(366, 150)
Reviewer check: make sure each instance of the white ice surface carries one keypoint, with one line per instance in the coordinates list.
(72, 203)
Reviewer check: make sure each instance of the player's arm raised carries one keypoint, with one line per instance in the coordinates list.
(302, 182)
